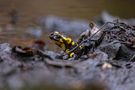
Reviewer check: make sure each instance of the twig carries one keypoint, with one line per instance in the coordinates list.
(91, 36)
(132, 58)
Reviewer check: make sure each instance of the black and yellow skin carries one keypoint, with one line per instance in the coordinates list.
(65, 43)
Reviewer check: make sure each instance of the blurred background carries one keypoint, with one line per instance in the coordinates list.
(36, 16)
(29, 10)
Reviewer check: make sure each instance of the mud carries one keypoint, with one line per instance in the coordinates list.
(19, 72)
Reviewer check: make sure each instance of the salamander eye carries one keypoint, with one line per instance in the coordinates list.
(57, 37)
(51, 34)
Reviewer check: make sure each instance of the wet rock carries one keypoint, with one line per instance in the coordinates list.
(5, 47)
(52, 54)
(35, 31)
(8, 67)
(53, 23)
(111, 48)
(106, 17)
(125, 53)
(98, 56)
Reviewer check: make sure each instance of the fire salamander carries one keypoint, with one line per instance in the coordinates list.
(66, 44)
(84, 44)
